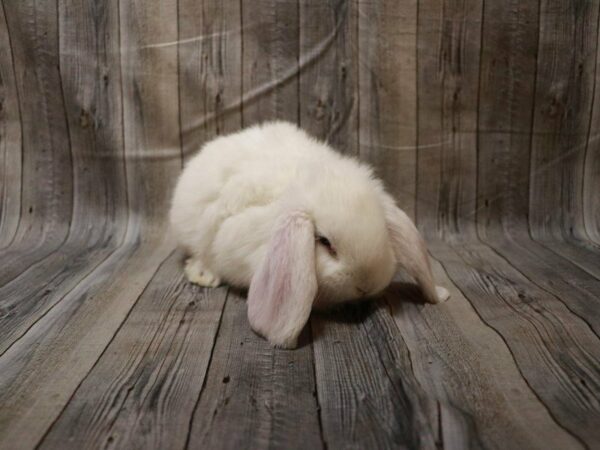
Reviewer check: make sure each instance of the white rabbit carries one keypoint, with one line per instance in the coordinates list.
(272, 209)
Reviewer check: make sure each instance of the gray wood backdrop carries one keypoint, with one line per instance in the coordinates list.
(483, 119)
(480, 118)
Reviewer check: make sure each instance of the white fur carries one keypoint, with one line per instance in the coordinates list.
(233, 192)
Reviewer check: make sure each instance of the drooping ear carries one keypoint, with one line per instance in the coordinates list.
(283, 288)
(410, 250)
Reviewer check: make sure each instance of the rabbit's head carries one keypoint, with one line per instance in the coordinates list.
(353, 255)
(338, 237)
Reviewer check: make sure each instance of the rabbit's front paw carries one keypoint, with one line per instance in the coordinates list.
(196, 273)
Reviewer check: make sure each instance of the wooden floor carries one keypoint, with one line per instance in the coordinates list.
(481, 117)
(110, 347)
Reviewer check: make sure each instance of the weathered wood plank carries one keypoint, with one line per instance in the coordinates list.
(210, 70)
(387, 73)
(92, 101)
(41, 370)
(556, 351)
(152, 135)
(142, 391)
(46, 148)
(448, 49)
(329, 72)
(10, 140)
(46, 194)
(563, 106)
(30, 296)
(368, 393)
(269, 60)
(91, 77)
(505, 113)
(591, 175)
(256, 396)
(585, 254)
(465, 364)
(577, 289)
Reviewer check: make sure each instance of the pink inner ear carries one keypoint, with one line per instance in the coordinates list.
(275, 282)
(283, 288)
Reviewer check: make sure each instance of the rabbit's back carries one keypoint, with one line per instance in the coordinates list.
(235, 178)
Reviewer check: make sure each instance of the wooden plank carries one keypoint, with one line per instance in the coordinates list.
(92, 100)
(506, 106)
(563, 107)
(46, 148)
(10, 140)
(210, 70)
(508, 76)
(256, 396)
(388, 95)
(367, 390)
(582, 253)
(46, 194)
(93, 108)
(579, 290)
(448, 49)
(483, 398)
(591, 177)
(329, 63)
(142, 391)
(269, 61)
(152, 134)
(505, 113)
(40, 371)
(555, 350)
(35, 292)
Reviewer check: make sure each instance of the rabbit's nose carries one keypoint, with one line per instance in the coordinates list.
(361, 291)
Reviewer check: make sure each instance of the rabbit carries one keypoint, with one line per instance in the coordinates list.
(274, 210)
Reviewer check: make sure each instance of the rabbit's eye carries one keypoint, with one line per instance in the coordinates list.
(327, 244)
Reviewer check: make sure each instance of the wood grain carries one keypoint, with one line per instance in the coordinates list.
(591, 164)
(93, 112)
(536, 333)
(10, 140)
(43, 368)
(256, 396)
(46, 194)
(108, 261)
(329, 64)
(269, 61)
(209, 69)
(152, 136)
(482, 120)
(505, 114)
(368, 393)
(387, 73)
(575, 287)
(143, 389)
(563, 108)
(448, 50)
(482, 400)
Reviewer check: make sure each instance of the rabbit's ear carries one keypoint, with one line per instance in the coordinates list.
(283, 288)
(410, 250)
